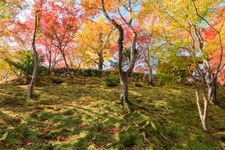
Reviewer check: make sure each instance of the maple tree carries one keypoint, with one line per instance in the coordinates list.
(187, 30)
(51, 55)
(8, 10)
(112, 10)
(148, 37)
(95, 41)
(17, 38)
(60, 21)
(37, 17)
(216, 53)
(35, 54)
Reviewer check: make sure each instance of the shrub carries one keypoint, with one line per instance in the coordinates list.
(43, 71)
(137, 84)
(25, 64)
(112, 80)
(57, 81)
(92, 72)
(137, 76)
(164, 79)
(77, 72)
(176, 68)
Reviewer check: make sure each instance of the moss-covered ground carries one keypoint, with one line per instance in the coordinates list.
(82, 113)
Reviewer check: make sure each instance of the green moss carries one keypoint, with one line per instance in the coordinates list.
(19, 135)
(56, 134)
(101, 138)
(69, 112)
(82, 113)
(45, 115)
(81, 143)
(129, 137)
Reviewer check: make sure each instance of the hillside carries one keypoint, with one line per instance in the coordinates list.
(83, 113)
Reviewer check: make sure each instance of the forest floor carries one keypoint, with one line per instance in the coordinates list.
(83, 113)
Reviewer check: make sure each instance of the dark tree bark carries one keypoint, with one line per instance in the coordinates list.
(35, 54)
(213, 99)
(64, 58)
(61, 47)
(124, 91)
(214, 91)
(49, 61)
(100, 61)
(124, 74)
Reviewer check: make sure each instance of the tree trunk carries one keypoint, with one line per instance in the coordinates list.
(124, 91)
(68, 73)
(34, 75)
(64, 58)
(150, 79)
(123, 74)
(49, 61)
(211, 79)
(212, 92)
(100, 61)
(35, 54)
(203, 115)
(215, 92)
(50, 66)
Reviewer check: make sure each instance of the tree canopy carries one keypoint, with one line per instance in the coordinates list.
(116, 42)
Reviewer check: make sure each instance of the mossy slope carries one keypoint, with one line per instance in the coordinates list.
(83, 113)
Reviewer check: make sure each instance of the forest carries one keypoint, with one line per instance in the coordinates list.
(112, 74)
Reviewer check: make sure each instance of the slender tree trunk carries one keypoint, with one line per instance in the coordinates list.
(100, 61)
(202, 114)
(71, 62)
(211, 88)
(205, 115)
(50, 66)
(124, 74)
(35, 54)
(124, 91)
(34, 75)
(67, 66)
(147, 60)
(150, 79)
(50, 62)
(212, 92)
(65, 61)
(215, 91)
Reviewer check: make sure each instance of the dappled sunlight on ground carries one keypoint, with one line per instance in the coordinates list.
(88, 116)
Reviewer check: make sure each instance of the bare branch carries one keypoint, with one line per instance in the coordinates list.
(220, 39)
